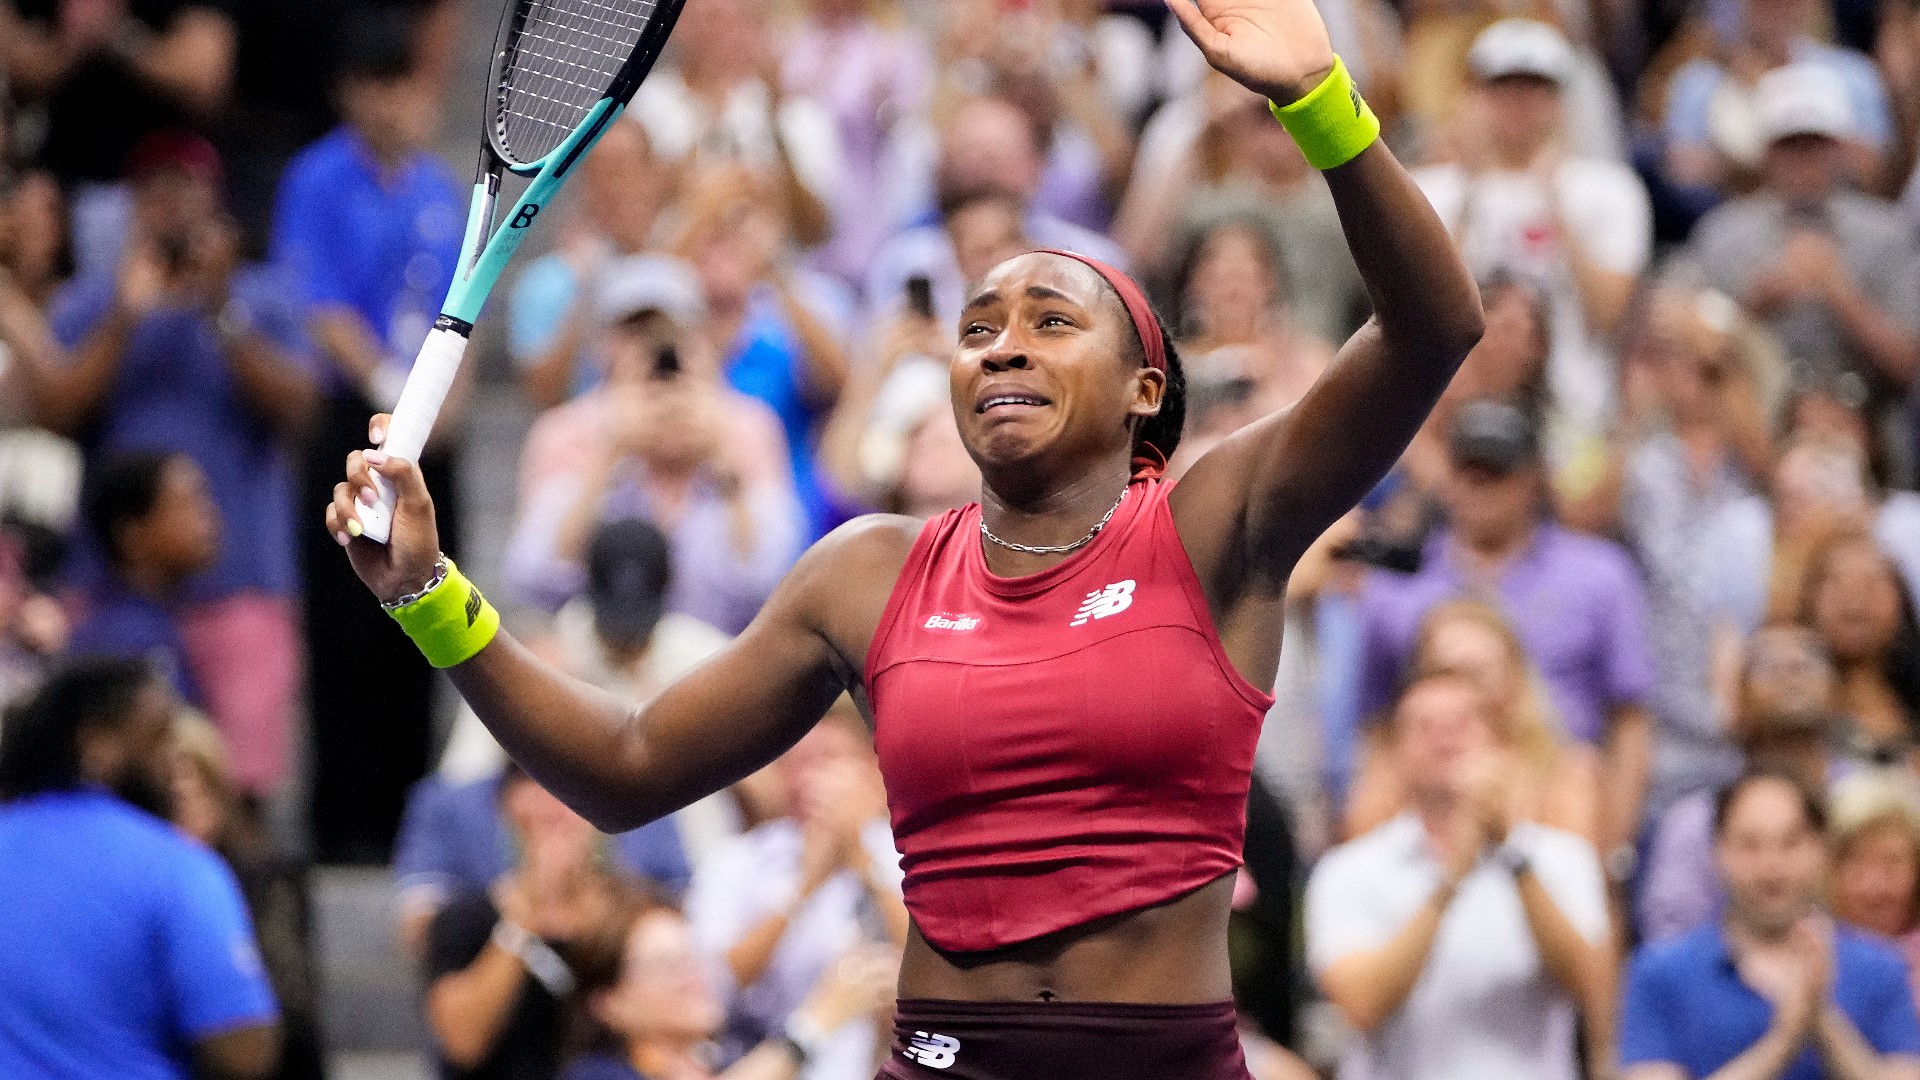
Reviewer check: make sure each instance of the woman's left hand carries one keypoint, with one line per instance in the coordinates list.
(1277, 48)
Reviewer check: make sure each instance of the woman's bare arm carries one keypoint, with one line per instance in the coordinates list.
(620, 767)
(1261, 497)
(1250, 507)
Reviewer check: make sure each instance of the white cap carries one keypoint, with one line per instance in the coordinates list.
(1521, 47)
(1802, 99)
(637, 283)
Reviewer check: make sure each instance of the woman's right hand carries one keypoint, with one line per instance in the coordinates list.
(405, 562)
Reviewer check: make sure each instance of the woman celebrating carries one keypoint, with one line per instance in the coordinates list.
(1064, 680)
(1556, 783)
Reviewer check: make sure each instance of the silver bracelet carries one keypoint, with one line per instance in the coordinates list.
(439, 578)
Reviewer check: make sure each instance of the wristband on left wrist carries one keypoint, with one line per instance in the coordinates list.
(1331, 122)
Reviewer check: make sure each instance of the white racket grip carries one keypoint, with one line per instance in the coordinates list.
(426, 390)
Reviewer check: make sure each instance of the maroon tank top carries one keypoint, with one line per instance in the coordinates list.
(1062, 746)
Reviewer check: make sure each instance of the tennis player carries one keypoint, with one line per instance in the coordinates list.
(1065, 681)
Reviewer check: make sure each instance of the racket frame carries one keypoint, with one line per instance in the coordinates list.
(481, 266)
(486, 251)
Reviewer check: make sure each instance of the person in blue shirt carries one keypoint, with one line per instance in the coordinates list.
(129, 952)
(1777, 991)
(187, 349)
(368, 227)
(151, 514)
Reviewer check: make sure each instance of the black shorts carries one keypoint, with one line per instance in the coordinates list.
(965, 1040)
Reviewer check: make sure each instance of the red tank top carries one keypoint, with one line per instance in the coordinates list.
(1062, 746)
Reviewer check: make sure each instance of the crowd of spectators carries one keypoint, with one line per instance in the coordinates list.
(1594, 751)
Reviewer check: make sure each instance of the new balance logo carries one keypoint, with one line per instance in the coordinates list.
(933, 1051)
(473, 606)
(952, 624)
(1102, 603)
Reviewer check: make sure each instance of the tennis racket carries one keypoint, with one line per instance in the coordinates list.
(563, 71)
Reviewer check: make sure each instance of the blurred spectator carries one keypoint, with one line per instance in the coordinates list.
(158, 527)
(186, 350)
(129, 951)
(1553, 783)
(1458, 939)
(1876, 859)
(1786, 718)
(782, 903)
(622, 189)
(457, 840)
(1575, 601)
(1220, 157)
(870, 73)
(1040, 57)
(34, 251)
(286, 57)
(1777, 990)
(1235, 319)
(1716, 126)
(1833, 272)
(208, 807)
(34, 627)
(1854, 599)
(780, 344)
(1435, 81)
(663, 440)
(989, 145)
(109, 73)
(619, 634)
(1691, 440)
(499, 986)
(1757, 550)
(39, 471)
(1509, 364)
(369, 223)
(721, 100)
(651, 1006)
(1578, 227)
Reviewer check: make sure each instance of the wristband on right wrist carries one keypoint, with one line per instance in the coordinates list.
(450, 621)
(1332, 124)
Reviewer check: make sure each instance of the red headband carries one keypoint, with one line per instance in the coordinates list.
(1145, 322)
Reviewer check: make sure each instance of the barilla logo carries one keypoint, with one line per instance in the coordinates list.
(951, 624)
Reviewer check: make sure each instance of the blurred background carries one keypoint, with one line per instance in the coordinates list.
(1664, 520)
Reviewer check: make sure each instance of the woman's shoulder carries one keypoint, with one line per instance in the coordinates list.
(870, 539)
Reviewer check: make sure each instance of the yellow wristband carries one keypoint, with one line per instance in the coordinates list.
(450, 623)
(1332, 123)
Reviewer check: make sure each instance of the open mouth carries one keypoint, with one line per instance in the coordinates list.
(1011, 401)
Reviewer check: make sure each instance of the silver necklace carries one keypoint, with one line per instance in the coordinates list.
(1057, 549)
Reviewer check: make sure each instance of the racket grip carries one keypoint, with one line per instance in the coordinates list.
(426, 390)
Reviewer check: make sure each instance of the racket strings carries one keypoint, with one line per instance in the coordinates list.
(560, 60)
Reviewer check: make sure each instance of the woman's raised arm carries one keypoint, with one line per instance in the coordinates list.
(1250, 507)
(620, 767)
